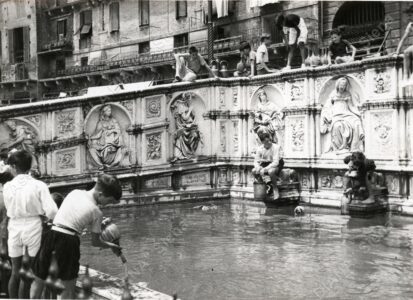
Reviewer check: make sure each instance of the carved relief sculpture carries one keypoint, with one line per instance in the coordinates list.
(267, 118)
(21, 137)
(153, 107)
(153, 148)
(66, 122)
(187, 136)
(341, 119)
(66, 160)
(106, 145)
(297, 135)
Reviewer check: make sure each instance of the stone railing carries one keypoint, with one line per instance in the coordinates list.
(371, 112)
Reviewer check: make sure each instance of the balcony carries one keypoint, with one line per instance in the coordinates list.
(57, 46)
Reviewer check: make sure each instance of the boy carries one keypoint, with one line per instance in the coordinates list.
(262, 56)
(246, 67)
(188, 65)
(294, 32)
(78, 211)
(338, 49)
(266, 164)
(26, 200)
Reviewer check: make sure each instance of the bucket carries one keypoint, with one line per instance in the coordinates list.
(260, 191)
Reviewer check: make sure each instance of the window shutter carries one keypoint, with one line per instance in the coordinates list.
(11, 46)
(114, 16)
(61, 28)
(180, 8)
(87, 17)
(26, 41)
(144, 11)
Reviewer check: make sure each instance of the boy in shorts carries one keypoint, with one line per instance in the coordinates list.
(26, 200)
(78, 211)
(188, 65)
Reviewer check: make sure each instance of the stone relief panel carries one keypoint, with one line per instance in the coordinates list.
(266, 112)
(235, 137)
(223, 136)
(380, 83)
(19, 134)
(221, 98)
(157, 183)
(295, 135)
(67, 124)
(35, 119)
(153, 108)
(196, 179)
(296, 92)
(154, 146)
(187, 122)
(341, 124)
(67, 161)
(381, 136)
(108, 142)
(235, 97)
(129, 105)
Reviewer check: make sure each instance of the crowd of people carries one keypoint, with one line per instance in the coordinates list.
(34, 219)
(294, 33)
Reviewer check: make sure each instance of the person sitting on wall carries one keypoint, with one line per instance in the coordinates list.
(337, 50)
(408, 54)
(267, 164)
(188, 65)
(262, 56)
(294, 32)
(246, 67)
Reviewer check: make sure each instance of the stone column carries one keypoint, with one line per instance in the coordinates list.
(402, 132)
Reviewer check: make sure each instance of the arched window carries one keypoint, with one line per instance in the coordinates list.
(363, 25)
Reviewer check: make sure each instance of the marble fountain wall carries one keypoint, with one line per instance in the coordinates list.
(143, 136)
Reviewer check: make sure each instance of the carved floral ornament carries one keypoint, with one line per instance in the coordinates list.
(66, 160)
(66, 121)
(297, 134)
(382, 128)
(153, 107)
(382, 83)
(154, 146)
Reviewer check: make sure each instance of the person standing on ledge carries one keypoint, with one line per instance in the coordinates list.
(338, 49)
(262, 56)
(266, 164)
(188, 65)
(294, 32)
(78, 211)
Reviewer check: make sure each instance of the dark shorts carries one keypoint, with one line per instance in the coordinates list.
(67, 249)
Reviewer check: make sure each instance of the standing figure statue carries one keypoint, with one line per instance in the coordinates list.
(21, 138)
(187, 135)
(341, 118)
(106, 145)
(267, 118)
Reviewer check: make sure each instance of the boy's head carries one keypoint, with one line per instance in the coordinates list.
(265, 39)
(279, 22)
(58, 199)
(20, 160)
(245, 48)
(193, 51)
(336, 35)
(107, 189)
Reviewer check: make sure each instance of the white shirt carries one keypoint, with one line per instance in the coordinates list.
(78, 211)
(262, 56)
(26, 197)
(268, 155)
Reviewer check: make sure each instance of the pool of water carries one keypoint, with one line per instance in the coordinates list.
(246, 251)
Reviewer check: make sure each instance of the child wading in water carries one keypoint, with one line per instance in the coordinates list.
(337, 50)
(26, 200)
(78, 211)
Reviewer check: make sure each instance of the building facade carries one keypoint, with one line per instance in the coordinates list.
(50, 47)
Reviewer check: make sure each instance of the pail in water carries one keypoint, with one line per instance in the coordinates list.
(260, 191)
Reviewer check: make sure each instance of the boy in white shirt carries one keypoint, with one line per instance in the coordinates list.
(262, 56)
(26, 199)
(266, 164)
(78, 211)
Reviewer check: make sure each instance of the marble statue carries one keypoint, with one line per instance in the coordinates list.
(267, 118)
(21, 137)
(341, 119)
(106, 145)
(187, 135)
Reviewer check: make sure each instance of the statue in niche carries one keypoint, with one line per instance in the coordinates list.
(341, 118)
(21, 137)
(106, 145)
(187, 135)
(267, 118)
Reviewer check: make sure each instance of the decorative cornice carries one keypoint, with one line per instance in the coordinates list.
(387, 104)
(49, 146)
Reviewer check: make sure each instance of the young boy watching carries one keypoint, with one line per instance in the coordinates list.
(79, 210)
(26, 200)
(338, 49)
(262, 56)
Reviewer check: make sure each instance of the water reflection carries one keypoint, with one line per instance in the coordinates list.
(244, 251)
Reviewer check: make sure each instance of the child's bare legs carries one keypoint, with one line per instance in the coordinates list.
(290, 54)
(36, 288)
(301, 45)
(18, 288)
(69, 291)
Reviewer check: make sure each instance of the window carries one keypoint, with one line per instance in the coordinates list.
(144, 12)
(181, 8)
(19, 45)
(85, 40)
(102, 16)
(180, 40)
(61, 29)
(354, 13)
(114, 16)
(60, 64)
(144, 47)
(84, 61)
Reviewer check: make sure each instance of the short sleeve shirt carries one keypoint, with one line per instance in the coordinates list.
(196, 63)
(339, 49)
(247, 60)
(262, 56)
